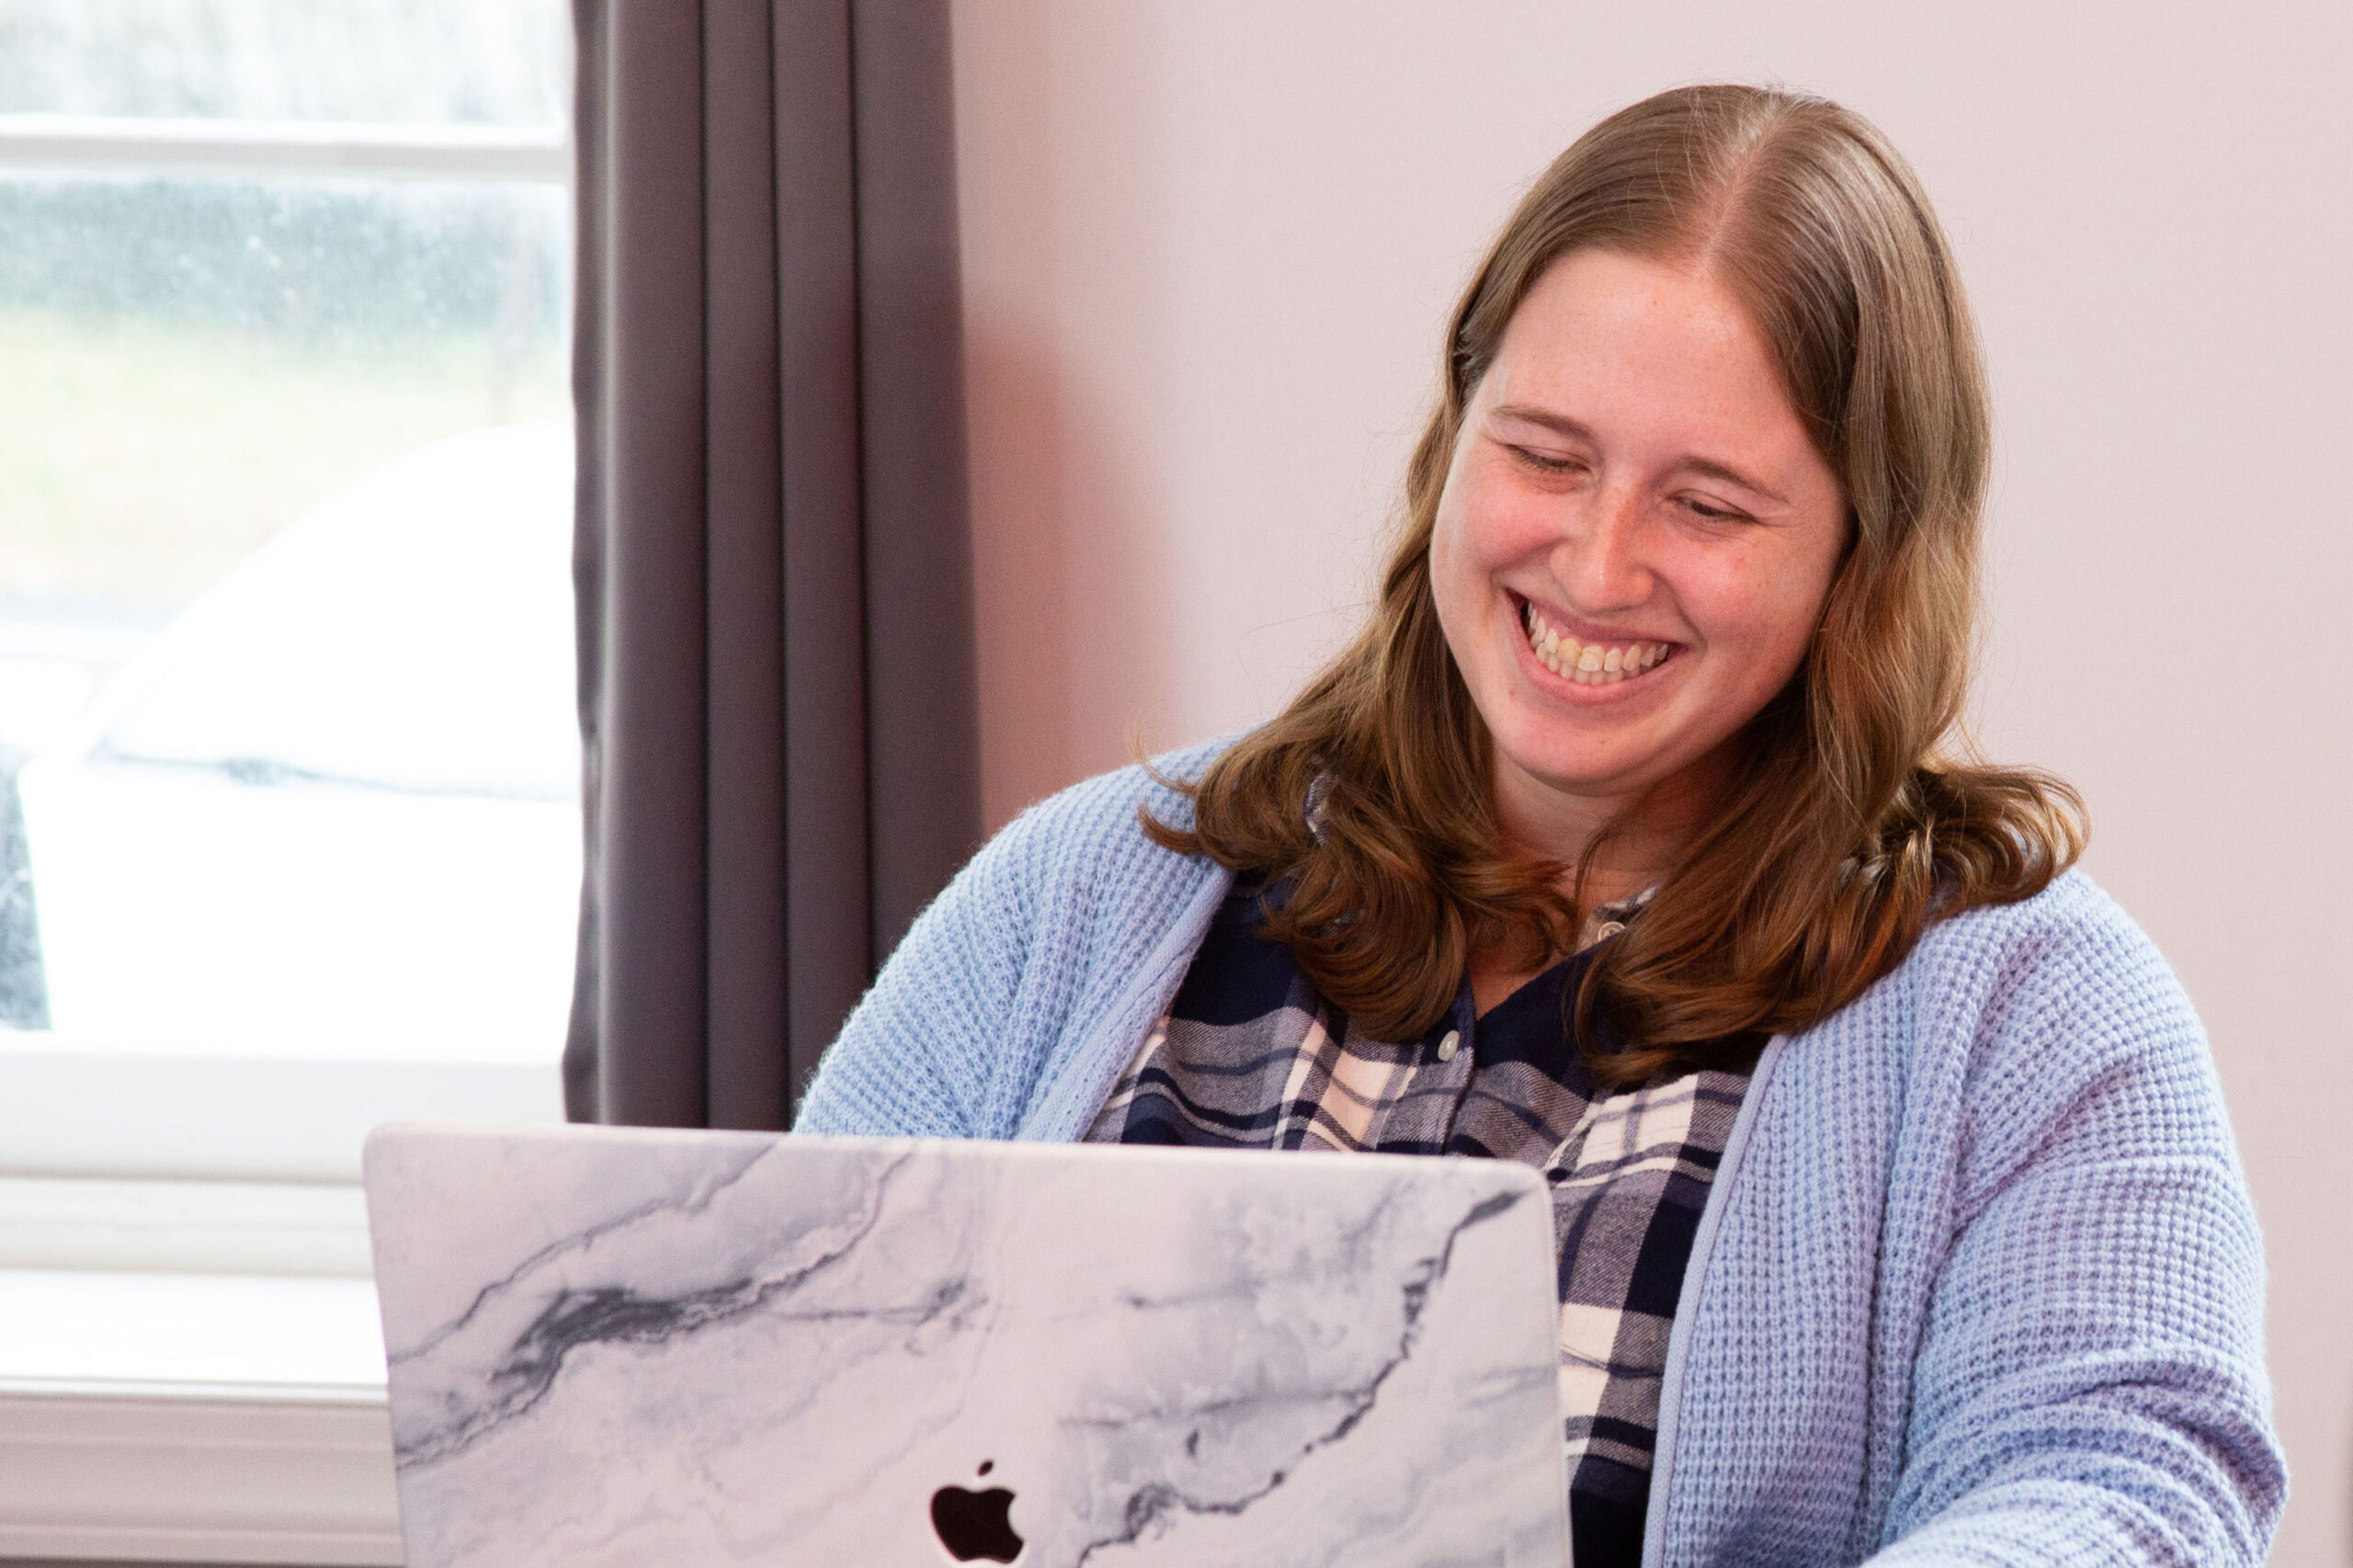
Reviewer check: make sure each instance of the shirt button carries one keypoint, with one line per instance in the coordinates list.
(1447, 1047)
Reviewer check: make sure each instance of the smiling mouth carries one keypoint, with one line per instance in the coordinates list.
(1589, 664)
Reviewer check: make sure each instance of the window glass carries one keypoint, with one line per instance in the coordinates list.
(287, 754)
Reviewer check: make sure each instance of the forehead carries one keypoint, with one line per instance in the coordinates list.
(1603, 333)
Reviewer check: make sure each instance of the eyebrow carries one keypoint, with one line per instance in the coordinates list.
(1705, 467)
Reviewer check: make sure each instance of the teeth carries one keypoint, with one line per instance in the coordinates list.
(1587, 665)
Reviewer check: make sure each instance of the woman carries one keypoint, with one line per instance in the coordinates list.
(1898, 1211)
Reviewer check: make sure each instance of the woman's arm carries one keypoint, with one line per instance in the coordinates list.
(2089, 1385)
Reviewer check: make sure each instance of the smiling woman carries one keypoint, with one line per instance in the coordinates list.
(1712, 415)
(1896, 1211)
(1630, 557)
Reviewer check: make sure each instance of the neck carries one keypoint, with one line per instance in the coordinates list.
(1643, 831)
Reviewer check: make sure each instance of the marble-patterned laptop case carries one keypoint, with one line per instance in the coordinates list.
(637, 1347)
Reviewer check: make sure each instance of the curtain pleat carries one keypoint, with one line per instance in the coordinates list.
(918, 574)
(769, 397)
(828, 897)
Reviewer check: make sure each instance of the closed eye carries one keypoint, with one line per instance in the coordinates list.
(1543, 462)
(1699, 508)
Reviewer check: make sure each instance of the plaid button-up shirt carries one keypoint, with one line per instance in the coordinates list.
(1249, 1056)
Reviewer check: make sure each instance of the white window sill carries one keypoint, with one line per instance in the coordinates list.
(193, 1418)
(191, 1372)
(191, 1363)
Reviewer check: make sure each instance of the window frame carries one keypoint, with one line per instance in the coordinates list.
(133, 144)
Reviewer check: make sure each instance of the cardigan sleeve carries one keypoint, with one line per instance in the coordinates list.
(912, 1059)
(2089, 1385)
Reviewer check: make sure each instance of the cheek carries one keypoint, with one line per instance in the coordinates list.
(1482, 529)
(1764, 611)
(1447, 565)
(1461, 555)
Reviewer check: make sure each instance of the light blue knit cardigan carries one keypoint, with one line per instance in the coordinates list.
(1978, 1282)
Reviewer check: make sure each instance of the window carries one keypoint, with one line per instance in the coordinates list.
(290, 823)
(289, 773)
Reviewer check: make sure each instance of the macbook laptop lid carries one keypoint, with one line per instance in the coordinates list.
(622, 1347)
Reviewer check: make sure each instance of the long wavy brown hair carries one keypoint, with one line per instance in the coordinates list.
(1854, 813)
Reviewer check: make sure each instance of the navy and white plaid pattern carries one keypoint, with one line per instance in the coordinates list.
(1250, 1056)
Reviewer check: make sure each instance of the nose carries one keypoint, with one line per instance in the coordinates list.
(1600, 560)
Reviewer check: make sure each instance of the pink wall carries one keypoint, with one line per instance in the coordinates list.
(1208, 246)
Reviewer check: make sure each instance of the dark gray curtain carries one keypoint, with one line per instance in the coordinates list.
(769, 392)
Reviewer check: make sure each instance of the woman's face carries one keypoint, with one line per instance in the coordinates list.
(1636, 536)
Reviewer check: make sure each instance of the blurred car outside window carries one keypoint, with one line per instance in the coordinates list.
(289, 764)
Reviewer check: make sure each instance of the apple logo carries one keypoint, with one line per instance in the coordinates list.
(976, 1524)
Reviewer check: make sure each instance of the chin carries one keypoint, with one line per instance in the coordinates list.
(1574, 771)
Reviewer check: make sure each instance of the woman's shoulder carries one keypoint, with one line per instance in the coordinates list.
(1109, 800)
(2057, 1009)
(2071, 938)
(1095, 826)
(1081, 858)
(1047, 920)
(2063, 969)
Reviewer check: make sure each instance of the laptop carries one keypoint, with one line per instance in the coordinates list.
(616, 1346)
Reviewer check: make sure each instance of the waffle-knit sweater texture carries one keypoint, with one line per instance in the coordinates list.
(1979, 1282)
